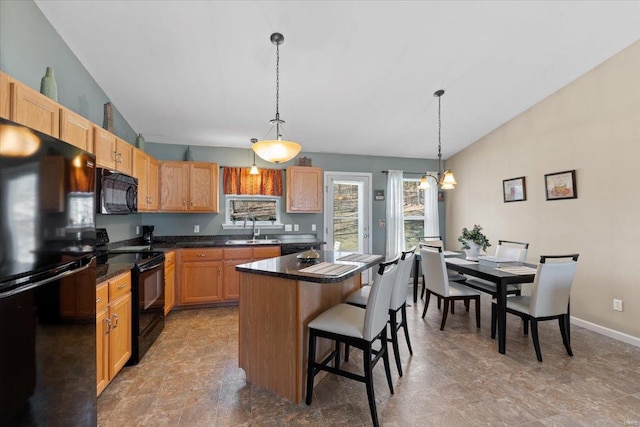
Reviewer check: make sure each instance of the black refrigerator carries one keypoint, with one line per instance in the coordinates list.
(47, 281)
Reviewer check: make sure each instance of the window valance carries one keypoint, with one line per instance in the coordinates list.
(238, 181)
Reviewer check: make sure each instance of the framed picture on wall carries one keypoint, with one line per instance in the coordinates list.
(514, 189)
(561, 185)
(378, 194)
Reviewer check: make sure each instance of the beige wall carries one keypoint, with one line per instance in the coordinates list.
(591, 125)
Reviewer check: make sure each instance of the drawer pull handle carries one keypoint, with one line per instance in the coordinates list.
(108, 326)
(201, 255)
(115, 318)
(98, 300)
(124, 285)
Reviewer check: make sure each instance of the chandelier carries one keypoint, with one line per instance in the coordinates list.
(277, 150)
(445, 179)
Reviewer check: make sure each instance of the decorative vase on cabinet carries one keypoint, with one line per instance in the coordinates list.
(140, 142)
(48, 85)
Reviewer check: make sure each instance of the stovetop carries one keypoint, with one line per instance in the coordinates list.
(138, 255)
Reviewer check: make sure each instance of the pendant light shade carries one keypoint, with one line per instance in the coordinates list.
(424, 183)
(277, 150)
(254, 168)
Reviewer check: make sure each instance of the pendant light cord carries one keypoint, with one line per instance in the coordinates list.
(277, 81)
(439, 138)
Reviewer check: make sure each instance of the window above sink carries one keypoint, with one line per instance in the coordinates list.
(265, 209)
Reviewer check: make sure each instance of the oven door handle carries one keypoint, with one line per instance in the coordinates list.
(69, 270)
(150, 266)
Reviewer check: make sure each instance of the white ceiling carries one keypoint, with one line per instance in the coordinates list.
(356, 77)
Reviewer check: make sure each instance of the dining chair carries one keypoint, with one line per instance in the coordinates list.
(508, 249)
(453, 277)
(549, 299)
(437, 282)
(358, 327)
(398, 304)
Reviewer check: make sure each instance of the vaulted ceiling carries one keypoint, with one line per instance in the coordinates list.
(356, 77)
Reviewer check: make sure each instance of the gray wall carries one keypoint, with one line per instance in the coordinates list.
(29, 44)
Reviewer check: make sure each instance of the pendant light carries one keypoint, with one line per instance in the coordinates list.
(254, 168)
(277, 150)
(445, 179)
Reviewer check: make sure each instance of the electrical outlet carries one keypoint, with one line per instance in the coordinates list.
(381, 223)
(296, 227)
(137, 230)
(196, 228)
(617, 304)
(313, 227)
(287, 227)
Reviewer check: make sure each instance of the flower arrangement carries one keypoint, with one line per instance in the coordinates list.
(475, 235)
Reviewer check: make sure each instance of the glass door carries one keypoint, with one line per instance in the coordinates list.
(348, 213)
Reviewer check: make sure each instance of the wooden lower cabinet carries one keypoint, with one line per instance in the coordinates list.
(210, 276)
(200, 276)
(169, 281)
(113, 328)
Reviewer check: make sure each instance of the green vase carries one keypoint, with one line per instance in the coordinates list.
(188, 155)
(48, 85)
(140, 141)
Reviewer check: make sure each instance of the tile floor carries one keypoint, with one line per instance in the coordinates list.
(455, 377)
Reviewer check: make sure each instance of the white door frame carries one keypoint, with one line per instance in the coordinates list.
(362, 177)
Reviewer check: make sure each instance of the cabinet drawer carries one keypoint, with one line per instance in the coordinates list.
(237, 253)
(169, 258)
(201, 254)
(266, 252)
(102, 296)
(119, 285)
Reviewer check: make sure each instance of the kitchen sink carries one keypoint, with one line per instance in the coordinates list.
(253, 242)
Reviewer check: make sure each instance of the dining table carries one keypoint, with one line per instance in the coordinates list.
(515, 272)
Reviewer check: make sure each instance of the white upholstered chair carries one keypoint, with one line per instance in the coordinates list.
(507, 249)
(549, 299)
(437, 282)
(358, 327)
(398, 304)
(453, 276)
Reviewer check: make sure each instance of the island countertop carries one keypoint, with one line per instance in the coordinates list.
(290, 266)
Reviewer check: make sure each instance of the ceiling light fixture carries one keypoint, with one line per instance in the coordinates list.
(277, 150)
(445, 179)
(254, 168)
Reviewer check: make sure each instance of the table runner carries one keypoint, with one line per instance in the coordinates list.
(328, 269)
(518, 269)
(358, 258)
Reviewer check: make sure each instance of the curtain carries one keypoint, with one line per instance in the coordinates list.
(432, 227)
(395, 214)
(239, 181)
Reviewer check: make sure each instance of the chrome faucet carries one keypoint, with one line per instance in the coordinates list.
(253, 229)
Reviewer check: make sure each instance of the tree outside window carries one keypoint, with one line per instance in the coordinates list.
(414, 212)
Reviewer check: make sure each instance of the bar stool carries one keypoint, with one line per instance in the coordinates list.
(357, 327)
(398, 304)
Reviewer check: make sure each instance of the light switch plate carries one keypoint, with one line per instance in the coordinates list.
(313, 227)
(287, 227)
(196, 228)
(296, 227)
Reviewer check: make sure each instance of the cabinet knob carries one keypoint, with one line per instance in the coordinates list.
(115, 156)
(191, 202)
(184, 203)
(98, 300)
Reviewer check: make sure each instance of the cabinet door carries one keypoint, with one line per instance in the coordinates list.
(169, 288)
(76, 130)
(304, 189)
(203, 187)
(140, 167)
(152, 184)
(105, 148)
(5, 95)
(31, 108)
(125, 156)
(102, 349)
(120, 335)
(201, 282)
(174, 186)
(231, 284)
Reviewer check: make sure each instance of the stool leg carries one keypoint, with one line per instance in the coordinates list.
(385, 359)
(369, 383)
(534, 336)
(404, 325)
(444, 313)
(426, 303)
(346, 352)
(394, 339)
(310, 368)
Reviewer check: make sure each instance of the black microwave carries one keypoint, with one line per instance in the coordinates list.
(117, 193)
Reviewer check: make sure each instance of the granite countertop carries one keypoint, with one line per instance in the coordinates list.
(290, 266)
(108, 271)
(176, 242)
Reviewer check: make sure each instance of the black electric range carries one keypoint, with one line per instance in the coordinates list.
(147, 290)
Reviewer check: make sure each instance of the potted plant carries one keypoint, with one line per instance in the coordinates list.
(472, 241)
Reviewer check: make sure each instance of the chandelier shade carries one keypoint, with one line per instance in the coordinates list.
(276, 150)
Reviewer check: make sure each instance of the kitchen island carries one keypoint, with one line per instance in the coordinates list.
(278, 298)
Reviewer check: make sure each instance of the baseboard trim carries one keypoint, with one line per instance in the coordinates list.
(620, 336)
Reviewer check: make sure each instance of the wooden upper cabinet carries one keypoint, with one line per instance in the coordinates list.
(189, 186)
(30, 108)
(105, 148)
(145, 168)
(174, 186)
(5, 95)
(76, 130)
(203, 187)
(304, 189)
(124, 161)
(112, 152)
